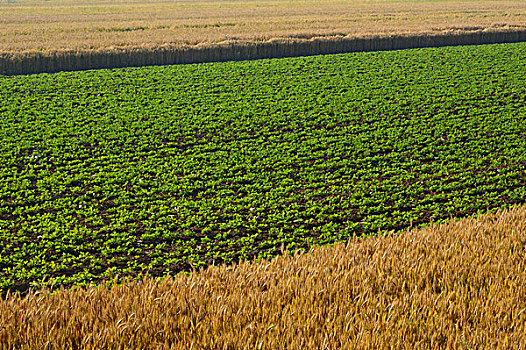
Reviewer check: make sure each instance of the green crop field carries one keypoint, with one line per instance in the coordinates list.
(165, 169)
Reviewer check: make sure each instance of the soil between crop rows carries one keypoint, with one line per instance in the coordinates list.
(166, 169)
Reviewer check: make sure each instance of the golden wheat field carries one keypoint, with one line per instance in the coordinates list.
(65, 25)
(455, 285)
(460, 285)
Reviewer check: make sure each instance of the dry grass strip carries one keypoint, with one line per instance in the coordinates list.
(457, 285)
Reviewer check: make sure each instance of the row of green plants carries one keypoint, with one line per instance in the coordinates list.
(167, 169)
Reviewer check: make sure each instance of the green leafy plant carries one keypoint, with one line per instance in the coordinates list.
(165, 169)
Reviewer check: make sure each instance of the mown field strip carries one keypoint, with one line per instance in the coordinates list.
(165, 169)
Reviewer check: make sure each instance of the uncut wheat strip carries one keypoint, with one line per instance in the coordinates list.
(447, 286)
(50, 62)
(36, 26)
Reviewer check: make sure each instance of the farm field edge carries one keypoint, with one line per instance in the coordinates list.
(98, 183)
(458, 284)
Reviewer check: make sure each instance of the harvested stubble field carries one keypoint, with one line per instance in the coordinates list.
(165, 169)
(65, 25)
(460, 285)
